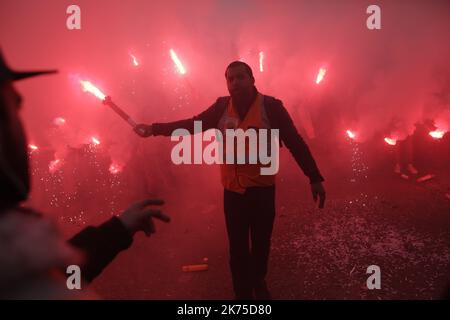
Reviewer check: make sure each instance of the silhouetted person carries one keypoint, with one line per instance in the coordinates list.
(404, 156)
(249, 197)
(403, 148)
(33, 257)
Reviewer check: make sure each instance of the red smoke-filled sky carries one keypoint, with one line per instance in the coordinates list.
(373, 76)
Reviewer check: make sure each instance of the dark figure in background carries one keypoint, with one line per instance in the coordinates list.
(31, 249)
(249, 197)
(404, 156)
(404, 160)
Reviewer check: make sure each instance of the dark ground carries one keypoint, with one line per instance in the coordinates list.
(401, 226)
(316, 254)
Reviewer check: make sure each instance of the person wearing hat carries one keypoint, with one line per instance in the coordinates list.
(33, 256)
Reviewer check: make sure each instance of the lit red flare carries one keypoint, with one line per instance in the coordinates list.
(33, 147)
(437, 134)
(390, 141)
(320, 75)
(134, 60)
(95, 141)
(261, 61)
(177, 62)
(54, 165)
(89, 87)
(351, 134)
(59, 121)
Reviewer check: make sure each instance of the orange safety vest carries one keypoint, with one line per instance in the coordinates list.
(238, 177)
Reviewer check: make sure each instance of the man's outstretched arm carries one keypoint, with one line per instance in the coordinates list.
(300, 151)
(209, 119)
(102, 244)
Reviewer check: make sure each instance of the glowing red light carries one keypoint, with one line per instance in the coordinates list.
(95, 141)
(437, 134)
(89, 87)
(177, 62)
(59, 121)
(261, 61)
(350, 134)
(134, 59)
(320, 75)
(390, 141)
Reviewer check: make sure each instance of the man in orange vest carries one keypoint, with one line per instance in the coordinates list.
(249, 197)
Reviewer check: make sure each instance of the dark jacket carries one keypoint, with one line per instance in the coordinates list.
(279, 119)
(101, 245)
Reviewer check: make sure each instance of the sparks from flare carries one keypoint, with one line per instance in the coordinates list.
(177, 62)
(54, 165)
(114, 168)
(89, 87)
(261, 61)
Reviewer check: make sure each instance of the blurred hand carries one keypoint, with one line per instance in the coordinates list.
(318, 190)
(143, 130)
(138, 217)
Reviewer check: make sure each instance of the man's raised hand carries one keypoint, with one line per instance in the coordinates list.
(143, 130)
(318, 191)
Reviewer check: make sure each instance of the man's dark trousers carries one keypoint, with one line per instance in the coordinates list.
(249, 216)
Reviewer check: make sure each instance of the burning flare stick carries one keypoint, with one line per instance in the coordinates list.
(351, 134)
(320, 75)
(119, 111)
(89, 87)
(95, 141)
(390, 141)
(261, 61)
(135, 61)
(177, 62)
(437, 134)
